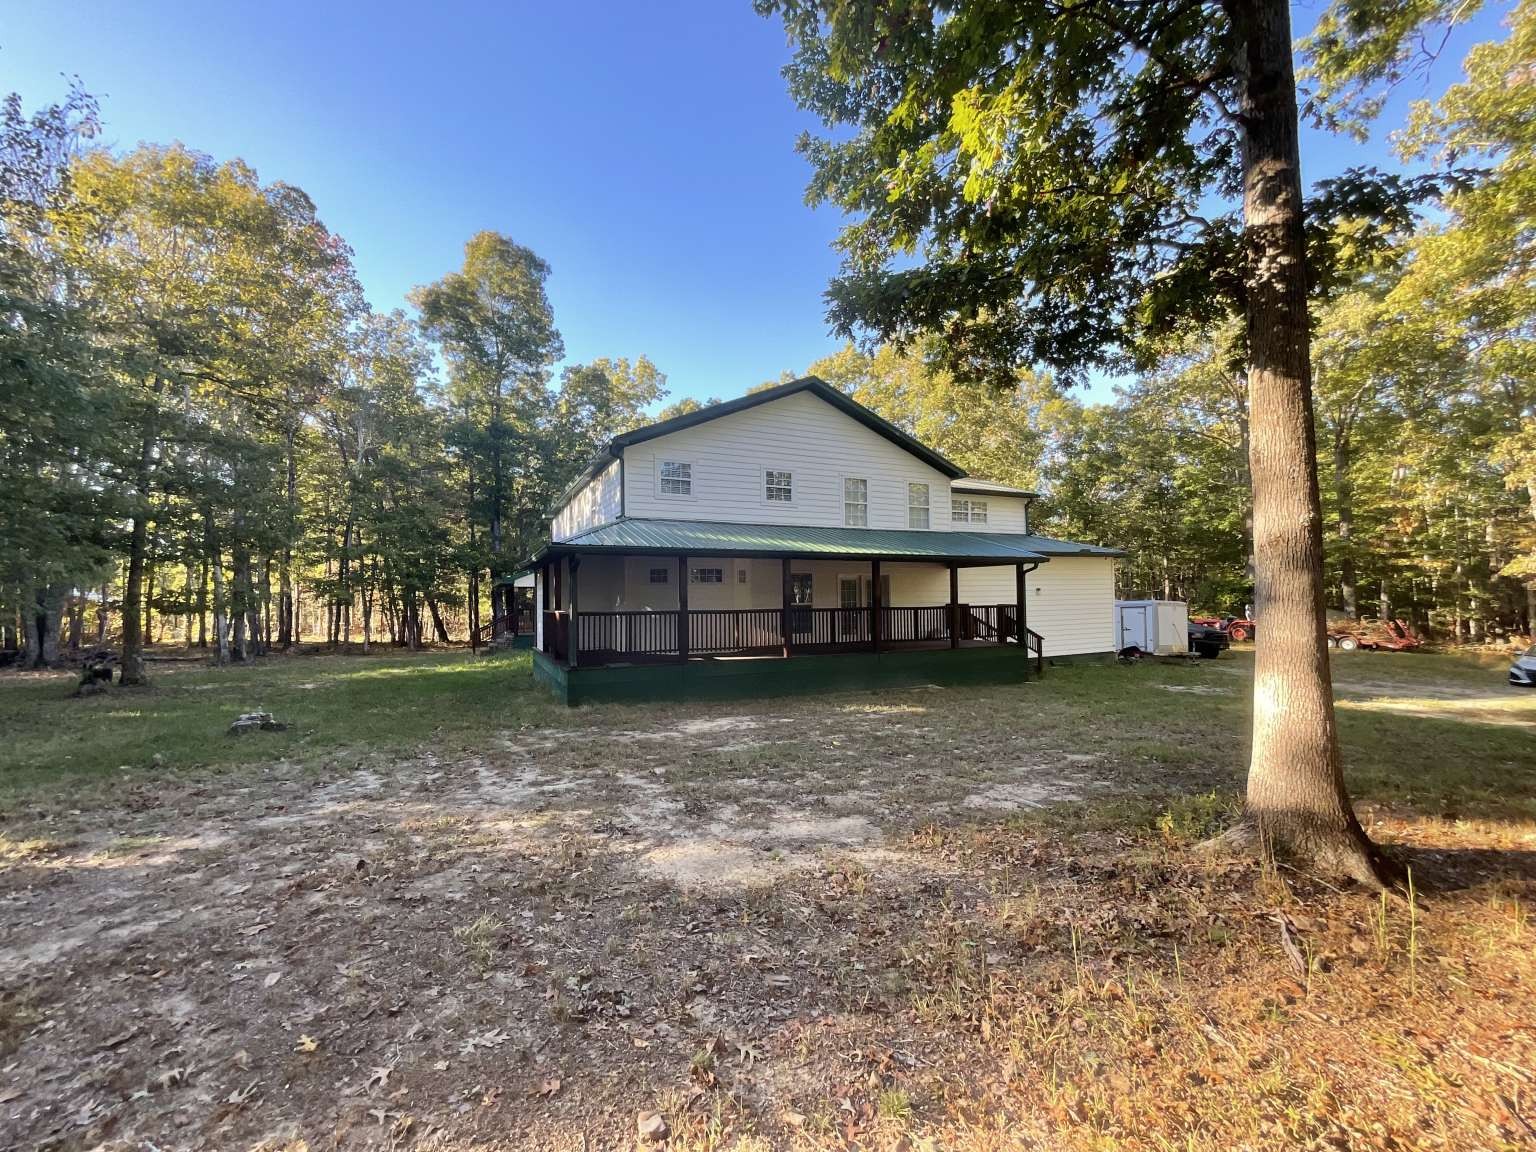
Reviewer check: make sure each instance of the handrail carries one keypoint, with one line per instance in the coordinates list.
(1035, 643)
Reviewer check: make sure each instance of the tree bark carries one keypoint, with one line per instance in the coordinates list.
(1296, 801)
(202, 604)
(76, 620)
(1344, 496)
(437, 620)
(220, 593)
(286, 603)
(31, 628)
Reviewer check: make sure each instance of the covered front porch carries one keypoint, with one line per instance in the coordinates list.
(640, 614)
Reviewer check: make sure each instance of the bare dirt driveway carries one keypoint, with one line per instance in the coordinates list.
(916, 920)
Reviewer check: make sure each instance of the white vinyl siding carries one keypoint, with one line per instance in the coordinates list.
(596, 503)
(1004, 513)
(801, 434)
(918, 511)
(1071, 600)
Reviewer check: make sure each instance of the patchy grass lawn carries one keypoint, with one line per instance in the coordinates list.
(440, 912)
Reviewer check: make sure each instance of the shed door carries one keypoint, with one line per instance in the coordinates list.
(1133, 629)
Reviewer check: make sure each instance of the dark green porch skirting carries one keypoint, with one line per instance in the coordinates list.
(739, 679)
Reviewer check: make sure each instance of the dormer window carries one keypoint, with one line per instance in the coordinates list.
(676, 478)
(779, 487)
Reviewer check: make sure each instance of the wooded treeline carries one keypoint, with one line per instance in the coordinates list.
(208, 435)
(1424, 396)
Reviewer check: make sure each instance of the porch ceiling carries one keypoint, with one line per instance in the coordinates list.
(710, 538)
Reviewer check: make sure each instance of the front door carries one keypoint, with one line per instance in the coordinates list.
(801, 593)
(851, 623)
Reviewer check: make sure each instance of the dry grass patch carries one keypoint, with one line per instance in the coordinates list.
(462, 938)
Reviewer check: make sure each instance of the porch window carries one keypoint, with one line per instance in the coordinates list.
(706, 575)
(917, 506)
(855, 502)
(968, 511)
(780, 487)
(676, 478)
(661, 576)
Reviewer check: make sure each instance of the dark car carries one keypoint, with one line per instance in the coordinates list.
(1207, 641)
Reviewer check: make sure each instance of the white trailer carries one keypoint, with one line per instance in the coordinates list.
(1156, 627)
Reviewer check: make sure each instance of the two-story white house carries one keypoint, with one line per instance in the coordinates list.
(793, 540)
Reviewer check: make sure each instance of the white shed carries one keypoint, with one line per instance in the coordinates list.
(1159, 627)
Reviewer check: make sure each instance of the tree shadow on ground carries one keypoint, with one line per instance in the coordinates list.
(1448, 870)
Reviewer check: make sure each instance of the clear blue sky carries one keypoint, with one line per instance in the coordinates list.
(646, 150)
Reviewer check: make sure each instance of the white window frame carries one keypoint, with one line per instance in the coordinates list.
(967, 510)
(694, 573)
(778, 478)
(864, 504)
(662, 479)
(926, 507)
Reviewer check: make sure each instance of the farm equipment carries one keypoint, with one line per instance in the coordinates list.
(1237, 628)
(1390, 635)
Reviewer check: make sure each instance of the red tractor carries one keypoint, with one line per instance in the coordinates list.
(1237, 628)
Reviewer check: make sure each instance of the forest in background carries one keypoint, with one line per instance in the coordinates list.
(208, 438)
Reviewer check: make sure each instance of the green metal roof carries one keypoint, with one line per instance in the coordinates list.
(706, 537)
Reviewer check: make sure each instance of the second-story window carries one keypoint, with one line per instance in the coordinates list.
(917, 505)
(676, 478)
(968, 511)
(855, 502)
(779, 488)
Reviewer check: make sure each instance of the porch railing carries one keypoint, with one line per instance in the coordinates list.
(517, 623)
(653, 636)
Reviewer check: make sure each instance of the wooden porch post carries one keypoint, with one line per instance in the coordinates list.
(682, 609)
(954, 605)
(784, 623)
(573, 638)
(875, 604)
(1020, 611)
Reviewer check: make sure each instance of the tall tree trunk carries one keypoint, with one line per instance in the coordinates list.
(32, 627)
(287, 606)
(202, 604)
(1296, 800)
(149, 594)
(132, 660)
(369, 590)
(1344, 496)
(220, 593)
(76, 620)
(50, 608)
(437, 620)
(239, 563)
